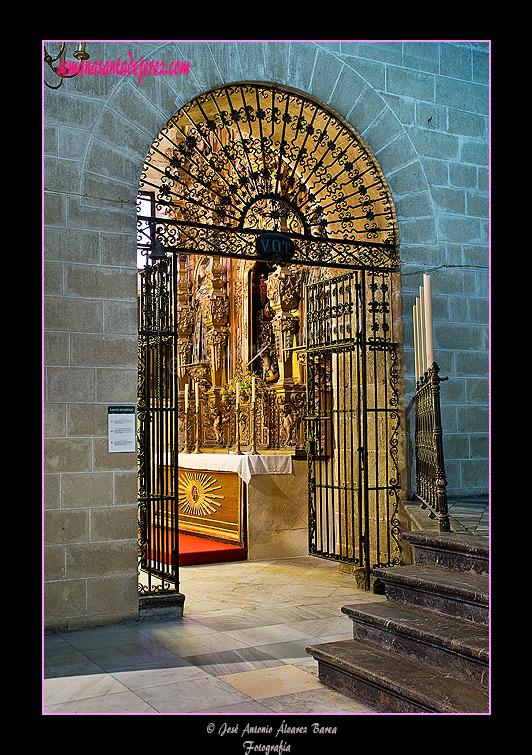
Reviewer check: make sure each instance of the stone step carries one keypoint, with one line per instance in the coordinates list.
(461, 594)
(458, 646)
(393, 683)
(461, 552)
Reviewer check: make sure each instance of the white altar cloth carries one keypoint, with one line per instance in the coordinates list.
(245, 465)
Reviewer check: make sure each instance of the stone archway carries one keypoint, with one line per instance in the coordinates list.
(250, 159)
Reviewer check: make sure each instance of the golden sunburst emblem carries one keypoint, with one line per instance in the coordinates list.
(196, 493)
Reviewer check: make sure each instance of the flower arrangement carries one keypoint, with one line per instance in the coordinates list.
(245, 382)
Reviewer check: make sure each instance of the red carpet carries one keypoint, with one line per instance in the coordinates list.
(197, 550)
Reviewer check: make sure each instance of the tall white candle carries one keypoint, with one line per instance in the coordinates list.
(237, 394)
(416, 347)
(253, 390)
(427, 290)
(197, 396)
(422, 333)
(418, 339)
(186, 397)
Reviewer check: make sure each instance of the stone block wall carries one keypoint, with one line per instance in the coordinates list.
(431, 139)
(90, 363)
(90, 347)
(422, 107)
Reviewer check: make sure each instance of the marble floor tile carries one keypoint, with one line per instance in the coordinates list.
(271, 682)
(54, 644)
(155, 677)
(73, 663)
(320, 610)
(132, 656)
(307, 663)
(300, 592)
(240, 647)
(228, 656)
(267, 635)
(61, 690)
(233, 661)
(210, 642)
(289, 612)
(289, 652)
(98, 637)
(194, 695)
(341, 624)
(239, 709)
(219, 670)
(121, 702)
(228, 622)
(181, 627)
(321, 701)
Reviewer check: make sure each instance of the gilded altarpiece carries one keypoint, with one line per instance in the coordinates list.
(238, 324)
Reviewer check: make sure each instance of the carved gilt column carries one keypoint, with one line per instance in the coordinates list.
(284, 293)
(185, 326)
(184, 314)
(215, 310)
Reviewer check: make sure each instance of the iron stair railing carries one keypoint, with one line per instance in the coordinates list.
(431, 481)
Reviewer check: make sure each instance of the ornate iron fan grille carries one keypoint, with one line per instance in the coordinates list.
(247, 158)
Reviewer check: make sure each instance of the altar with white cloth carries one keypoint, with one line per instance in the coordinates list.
(245, 465)
(255, 500)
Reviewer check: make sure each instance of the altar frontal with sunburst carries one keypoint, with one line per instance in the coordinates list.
(196, 493)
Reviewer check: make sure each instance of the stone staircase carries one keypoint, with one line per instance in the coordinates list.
(426, 648)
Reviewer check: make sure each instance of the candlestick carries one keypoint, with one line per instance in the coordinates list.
(253, 449)
(428, 321)
(237, 431)
(185, 423)
(237, 422)
(198, 422)
(80, 52)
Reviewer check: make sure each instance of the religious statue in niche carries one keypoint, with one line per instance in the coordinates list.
(199, 343)
(263, 335)
(288, 426)
(270, 368)
(218, 425)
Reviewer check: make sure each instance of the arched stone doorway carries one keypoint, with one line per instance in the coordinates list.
(246, 158)
(234, 164)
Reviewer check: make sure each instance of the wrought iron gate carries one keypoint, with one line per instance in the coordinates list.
(353, 420)
(235, 163)
(157, 428)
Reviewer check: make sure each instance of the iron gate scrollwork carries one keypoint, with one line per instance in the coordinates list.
(245, 158)
(353, 421)
(157, 428)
